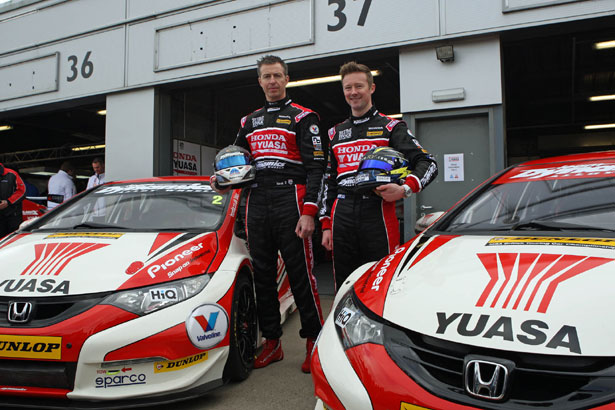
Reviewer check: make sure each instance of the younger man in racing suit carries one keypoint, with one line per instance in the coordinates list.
(363, 227)
(284, 139)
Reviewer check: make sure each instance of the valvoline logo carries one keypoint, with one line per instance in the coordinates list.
(207, 326)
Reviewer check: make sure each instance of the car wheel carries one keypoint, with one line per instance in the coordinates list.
(243, 332)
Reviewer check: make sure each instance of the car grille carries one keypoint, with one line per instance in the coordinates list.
(58, 375)
(561, 382)
(47, 311)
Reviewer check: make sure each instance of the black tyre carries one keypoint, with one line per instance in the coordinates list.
(243, 328)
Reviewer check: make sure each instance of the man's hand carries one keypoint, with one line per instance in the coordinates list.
(327, 239)
(305, 226)
(3, 204)
(390, 192)
(214, 185)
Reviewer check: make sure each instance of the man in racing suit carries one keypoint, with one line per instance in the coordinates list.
(363, 227)
(284, 139)
(12, 193)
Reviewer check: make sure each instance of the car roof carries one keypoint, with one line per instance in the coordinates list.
(590, 156)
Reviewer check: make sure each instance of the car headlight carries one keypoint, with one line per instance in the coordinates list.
(142, 301)
(353, 326)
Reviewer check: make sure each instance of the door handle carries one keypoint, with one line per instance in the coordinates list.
(425, 207)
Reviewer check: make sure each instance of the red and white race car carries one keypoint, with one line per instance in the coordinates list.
(129, 292)
(503, 303)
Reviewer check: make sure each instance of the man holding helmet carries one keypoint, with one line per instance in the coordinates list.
(289, 158)
(358, 209)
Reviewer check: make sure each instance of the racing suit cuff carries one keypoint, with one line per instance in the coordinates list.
(414, 183)
(325, 223)
(309, 209)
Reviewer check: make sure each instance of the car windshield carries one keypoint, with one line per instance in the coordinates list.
(577, 204)
(141, 206)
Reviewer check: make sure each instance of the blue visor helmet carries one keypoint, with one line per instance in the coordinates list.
(379, 166)
(234, 167)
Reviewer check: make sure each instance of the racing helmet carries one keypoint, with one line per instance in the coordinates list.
(379, 166)
(234, 166)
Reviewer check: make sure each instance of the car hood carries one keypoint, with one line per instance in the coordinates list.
(526, 294)
(73, 263)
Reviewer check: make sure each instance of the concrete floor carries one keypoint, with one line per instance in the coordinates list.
(281, 385)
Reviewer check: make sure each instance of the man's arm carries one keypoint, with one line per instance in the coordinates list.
(20, 188)
(423, 164)
(329, 193)
(313, 148)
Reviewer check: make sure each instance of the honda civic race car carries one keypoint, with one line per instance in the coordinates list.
(503, 303)
(129, 292)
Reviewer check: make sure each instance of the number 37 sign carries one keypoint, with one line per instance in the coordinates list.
(364, 23)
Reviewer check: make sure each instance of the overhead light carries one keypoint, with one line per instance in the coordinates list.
(5, 127)
(101, 112)
(602, 97)
(604, 44)
(83, 176)
(88, 147)
(445, 53)
(322, 80)
(599, 126)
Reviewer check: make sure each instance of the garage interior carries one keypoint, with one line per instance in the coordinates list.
(550, 75)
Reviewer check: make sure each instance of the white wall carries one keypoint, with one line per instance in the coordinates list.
(130, 135)
(476, 69)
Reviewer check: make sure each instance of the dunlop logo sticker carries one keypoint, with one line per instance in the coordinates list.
(85, 235)
(553, 241)
(31, 347)
(172, 365)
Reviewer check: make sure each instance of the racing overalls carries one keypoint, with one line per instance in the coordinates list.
(13, 190)
(289, 155)
(365, 227)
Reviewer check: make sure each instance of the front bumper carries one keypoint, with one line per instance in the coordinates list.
(365, 377)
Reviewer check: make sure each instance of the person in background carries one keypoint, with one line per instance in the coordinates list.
(61, 184)
(98, 165)
(363, 227)
(12, 193)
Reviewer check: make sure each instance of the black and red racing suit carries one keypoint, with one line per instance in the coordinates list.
(364, 227)
(284, 139)
(13, 190)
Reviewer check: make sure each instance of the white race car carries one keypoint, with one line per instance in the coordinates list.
(133, 292)
(503, 303)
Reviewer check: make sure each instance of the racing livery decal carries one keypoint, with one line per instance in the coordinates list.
(31, 347)
(374, 284)
(434, 244)
(172, 365)
(207, 326)
(528, 332)
(52, 258)
(603, 243)
(570, 171)
(162, 239)
(103, 235)
(536, 277)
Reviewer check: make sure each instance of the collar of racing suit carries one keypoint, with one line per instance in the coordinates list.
(365, 117)
(277, 105)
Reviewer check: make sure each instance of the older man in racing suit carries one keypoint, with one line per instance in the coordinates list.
(284, 139)
(363, 227)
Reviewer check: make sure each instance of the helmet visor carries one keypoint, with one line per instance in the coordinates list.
(375, 164)
(232, 161)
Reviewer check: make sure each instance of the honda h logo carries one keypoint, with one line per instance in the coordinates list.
(19, 312)
(487, 379)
